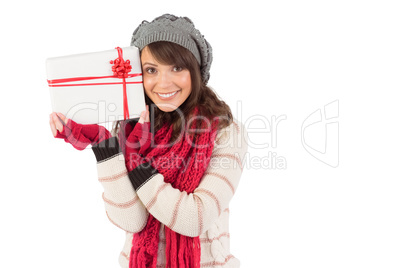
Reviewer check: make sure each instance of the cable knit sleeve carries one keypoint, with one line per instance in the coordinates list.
(123, 207)
(192, 214)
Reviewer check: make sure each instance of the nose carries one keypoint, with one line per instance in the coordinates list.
(164, 79)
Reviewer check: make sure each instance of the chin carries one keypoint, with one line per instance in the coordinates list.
(166, 107)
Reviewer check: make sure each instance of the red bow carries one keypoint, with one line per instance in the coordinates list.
(120, 69)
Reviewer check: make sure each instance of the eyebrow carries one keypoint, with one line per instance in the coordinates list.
(145, 63)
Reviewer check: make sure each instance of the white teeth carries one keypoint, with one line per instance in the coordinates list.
(167, 95)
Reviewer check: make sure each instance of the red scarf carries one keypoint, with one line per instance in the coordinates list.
(183, 165)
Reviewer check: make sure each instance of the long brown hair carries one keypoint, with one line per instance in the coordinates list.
(210, 106)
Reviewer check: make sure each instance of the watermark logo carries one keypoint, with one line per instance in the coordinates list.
(260, 130)
(320, 134)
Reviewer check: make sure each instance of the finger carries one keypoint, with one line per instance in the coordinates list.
(57, 122)
(62, 117)
(142, 117)
(52, 126)
(147, 114)
(54, 118)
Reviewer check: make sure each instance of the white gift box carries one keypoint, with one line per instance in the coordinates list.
(85, 89)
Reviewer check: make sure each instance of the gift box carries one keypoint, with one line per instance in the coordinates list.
(97, 87)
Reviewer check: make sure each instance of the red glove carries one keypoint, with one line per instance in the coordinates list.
(137, 145)
(80, 136)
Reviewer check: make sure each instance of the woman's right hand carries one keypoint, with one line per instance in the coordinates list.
(57, 124)
(138, 141)
(78, 135)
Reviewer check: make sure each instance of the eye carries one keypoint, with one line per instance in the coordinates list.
(177, 69)
(150, 70)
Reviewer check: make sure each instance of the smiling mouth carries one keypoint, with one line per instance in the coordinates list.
(167, 95)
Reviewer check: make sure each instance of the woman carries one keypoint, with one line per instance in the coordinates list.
(183, 158)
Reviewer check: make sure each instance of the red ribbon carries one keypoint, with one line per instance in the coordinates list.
(120, 68)
(52, 83)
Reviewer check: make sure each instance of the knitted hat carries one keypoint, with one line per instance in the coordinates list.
(179, 30)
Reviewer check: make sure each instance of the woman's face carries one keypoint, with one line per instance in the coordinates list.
(166, 85)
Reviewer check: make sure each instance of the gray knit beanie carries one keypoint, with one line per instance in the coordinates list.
(179, 30)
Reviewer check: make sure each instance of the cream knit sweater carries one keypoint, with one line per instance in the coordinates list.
(204, 213)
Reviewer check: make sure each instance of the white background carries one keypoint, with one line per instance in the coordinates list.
(271, 58)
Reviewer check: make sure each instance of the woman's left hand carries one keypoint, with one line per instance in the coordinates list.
(144, 117)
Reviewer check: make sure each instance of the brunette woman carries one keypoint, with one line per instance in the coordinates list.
(182, 159)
